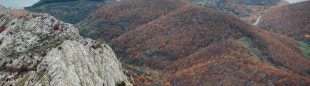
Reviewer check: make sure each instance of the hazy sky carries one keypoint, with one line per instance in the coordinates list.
(18, 4)
(294, 1)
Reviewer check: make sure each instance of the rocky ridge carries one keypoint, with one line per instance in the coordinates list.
(37, 49)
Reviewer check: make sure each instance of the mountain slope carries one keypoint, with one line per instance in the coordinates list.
(247, 10)
(157, 50)
(290, 20)
(190, 29)
(71, 11)
(110, 21)
(37, 49)
(228, 64)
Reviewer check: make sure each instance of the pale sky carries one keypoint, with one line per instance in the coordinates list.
(19, 4)
(295, 1)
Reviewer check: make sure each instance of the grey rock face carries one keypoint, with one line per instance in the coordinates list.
(37, 49)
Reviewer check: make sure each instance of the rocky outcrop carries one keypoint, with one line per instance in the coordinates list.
(37, 49)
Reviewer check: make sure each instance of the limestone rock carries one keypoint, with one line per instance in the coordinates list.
(37, 49)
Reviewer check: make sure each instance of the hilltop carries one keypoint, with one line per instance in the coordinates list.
(108, 22)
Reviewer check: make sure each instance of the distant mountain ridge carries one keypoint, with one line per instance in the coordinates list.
(247, 10)
(41, 2)
(259, 2)
(71, 11)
